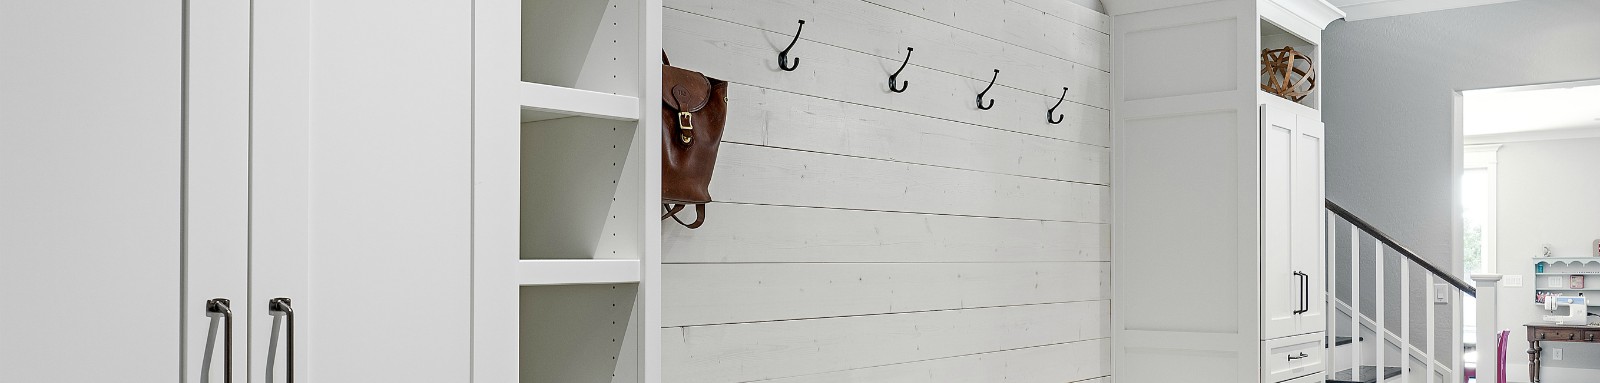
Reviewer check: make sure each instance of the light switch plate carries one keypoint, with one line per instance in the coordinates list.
(1513, 281)
(1441, 293)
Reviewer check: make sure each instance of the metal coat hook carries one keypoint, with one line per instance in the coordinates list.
(783, 57)
(904, 84)
(986, 91)
(1051, 114)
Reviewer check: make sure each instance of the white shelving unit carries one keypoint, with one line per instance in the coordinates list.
(1557, 272)
(567, 189)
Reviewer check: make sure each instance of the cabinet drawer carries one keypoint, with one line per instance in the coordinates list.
(1314, 378)
(1590, 336)
(1555, 334)
(1292, 357)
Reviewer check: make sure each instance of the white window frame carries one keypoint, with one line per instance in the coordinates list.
(1486, 157)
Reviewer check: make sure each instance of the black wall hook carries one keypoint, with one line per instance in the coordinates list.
(904, 84)
(783, 57)
(986, 91)
(1051, 114)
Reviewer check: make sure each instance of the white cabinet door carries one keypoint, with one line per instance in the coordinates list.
(216, 187)
(1282, 282)
(280, 103)
(91, 133)
(390, 192)
(1293, 224)
(1310, 223)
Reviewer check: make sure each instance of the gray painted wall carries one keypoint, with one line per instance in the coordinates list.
(1388, 102)
(1547, 194)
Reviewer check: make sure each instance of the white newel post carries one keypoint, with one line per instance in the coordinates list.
(1488, 328)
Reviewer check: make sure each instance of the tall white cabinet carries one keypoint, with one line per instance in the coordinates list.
(1218, 219)
(154, 168)
(438, 191)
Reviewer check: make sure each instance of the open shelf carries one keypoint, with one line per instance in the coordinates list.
(1274, 37)
(546, 272)
(582, 268)
(582, 189)
(582, 44)
(579, 334)
(547, 102)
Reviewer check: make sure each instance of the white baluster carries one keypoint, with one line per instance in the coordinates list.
(1431, 327)
(1332, 315)
(1380, 330)
(1405, 320)
(1456, 329)
(1355, 300)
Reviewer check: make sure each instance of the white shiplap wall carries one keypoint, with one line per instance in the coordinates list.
(861, 235)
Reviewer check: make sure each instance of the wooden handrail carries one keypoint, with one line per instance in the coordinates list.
(1411, 255)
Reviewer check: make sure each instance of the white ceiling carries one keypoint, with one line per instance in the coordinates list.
(1541, 108)
(1372, 9)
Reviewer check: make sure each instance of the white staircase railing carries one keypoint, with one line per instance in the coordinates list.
(1392, 350)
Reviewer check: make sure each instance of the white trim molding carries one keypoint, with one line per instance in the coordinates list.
(1318, 12)
(1534, 135)
(1367, 9)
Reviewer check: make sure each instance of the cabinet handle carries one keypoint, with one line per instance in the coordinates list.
(281, 306)
(219, 307)
(1304, 292)
(1300, 309)
(1298, 357)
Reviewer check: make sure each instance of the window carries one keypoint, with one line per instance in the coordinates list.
(1478, 208)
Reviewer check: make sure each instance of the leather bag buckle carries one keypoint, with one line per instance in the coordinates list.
(685, 126)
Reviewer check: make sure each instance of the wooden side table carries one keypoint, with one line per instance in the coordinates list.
(1538, 333)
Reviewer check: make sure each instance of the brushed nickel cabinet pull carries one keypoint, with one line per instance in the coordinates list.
(219, 307)
(282, 306)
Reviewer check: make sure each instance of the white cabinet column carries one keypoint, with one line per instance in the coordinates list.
(91, 133)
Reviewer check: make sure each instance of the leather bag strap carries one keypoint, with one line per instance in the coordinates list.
(673, 209)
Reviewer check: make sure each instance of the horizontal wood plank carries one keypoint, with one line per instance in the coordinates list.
(760, 233)
(761, 175)
(747, 55)
(859, 26)
(788, 120)
(1080, 362)
(1072, 12)
(699, 294)
(782, 349)
(1011, 22)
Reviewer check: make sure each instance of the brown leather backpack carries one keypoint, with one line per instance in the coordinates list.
(694, 108)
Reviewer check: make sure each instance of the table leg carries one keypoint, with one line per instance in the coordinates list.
(1533, 360)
